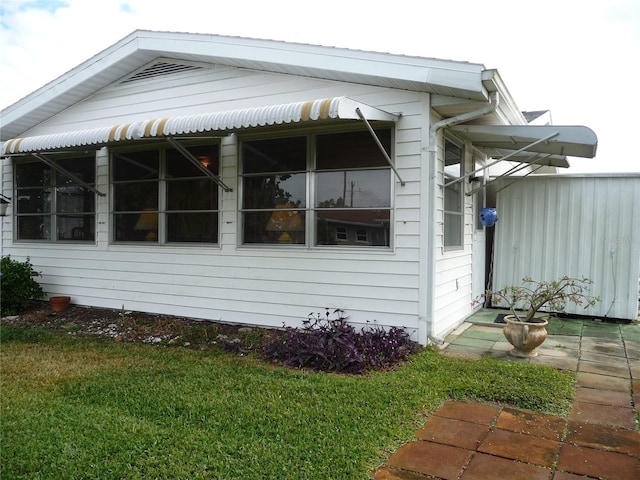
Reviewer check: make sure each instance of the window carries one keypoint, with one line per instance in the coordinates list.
(274, 190)
(341, 234)
(453, 196)
(50, 206)
(323, 189)
(352, 189)
(159, 196)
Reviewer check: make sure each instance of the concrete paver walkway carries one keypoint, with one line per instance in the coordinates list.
(600, 439)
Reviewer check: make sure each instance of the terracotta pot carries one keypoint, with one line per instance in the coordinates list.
(525, 336)
(60, 303)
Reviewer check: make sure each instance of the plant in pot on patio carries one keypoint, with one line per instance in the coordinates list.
(525, 329)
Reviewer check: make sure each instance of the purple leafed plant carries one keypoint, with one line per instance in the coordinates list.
(328, 343)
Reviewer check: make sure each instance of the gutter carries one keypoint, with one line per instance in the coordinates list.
(433, 172)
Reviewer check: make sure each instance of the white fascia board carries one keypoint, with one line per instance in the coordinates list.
(66, 90)
(508, 110)
(74, 77)
(422, 74)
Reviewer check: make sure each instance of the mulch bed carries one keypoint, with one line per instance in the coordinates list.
(126, 326)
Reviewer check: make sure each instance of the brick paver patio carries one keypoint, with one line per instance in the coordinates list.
(599, 440)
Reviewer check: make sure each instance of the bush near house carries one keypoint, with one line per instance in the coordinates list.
(18, 285)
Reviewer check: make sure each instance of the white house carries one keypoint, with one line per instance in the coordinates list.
(257, 181)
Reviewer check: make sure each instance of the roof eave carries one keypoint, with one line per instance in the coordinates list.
(456, 79)
(510, 113)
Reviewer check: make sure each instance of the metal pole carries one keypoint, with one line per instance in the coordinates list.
(189, 156)
(67, 174)
(380, 146)
(506, 157)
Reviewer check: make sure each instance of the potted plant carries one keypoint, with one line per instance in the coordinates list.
(59, 303)
(524, 329)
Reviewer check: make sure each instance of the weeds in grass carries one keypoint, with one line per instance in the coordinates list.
(233, 345)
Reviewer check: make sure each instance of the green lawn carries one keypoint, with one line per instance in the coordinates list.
(78, 407)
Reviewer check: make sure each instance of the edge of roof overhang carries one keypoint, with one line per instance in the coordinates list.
(445, 77)
(326, 109)
(563, 140)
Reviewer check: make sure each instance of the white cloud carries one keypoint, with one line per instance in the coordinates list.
(578, 59)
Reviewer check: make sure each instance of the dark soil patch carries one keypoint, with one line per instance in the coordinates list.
(131, 326)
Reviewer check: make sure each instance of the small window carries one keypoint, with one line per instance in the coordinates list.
(50, 206)
(353, 189)
(453, 196)
(274, 189)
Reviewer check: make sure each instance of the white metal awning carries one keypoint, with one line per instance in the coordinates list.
(536, 145)
(573, 141)
(335, 108)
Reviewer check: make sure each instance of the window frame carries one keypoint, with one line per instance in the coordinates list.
(479, 197)
(163, 182)
(458, 188)
(311, 170)
(55, 213)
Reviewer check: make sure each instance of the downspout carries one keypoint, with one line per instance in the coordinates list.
(433, 172)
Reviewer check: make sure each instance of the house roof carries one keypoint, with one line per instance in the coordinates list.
(457, 88)
(446, 79)
(531, 116)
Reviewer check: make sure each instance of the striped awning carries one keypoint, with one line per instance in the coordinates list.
(335, 108)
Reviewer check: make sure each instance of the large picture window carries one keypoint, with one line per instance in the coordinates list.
(50, 206)
(453, 196)
(323, 189)
(160, 197)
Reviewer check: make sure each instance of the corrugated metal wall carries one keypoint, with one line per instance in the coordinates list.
(573, 225)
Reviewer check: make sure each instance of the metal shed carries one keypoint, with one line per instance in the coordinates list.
(576, 225)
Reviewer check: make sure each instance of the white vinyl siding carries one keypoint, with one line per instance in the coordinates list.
(228, 281)
(453, 276)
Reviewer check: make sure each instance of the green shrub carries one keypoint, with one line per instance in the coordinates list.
(18, 285)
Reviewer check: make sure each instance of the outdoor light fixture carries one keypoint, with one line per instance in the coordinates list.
(4, 203)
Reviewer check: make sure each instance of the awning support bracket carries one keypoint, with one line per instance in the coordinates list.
(380, 146)
(189, 156)
(515, 169)
(506, 157)
(67, 174)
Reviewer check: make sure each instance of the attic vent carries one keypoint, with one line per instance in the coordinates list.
(159, 69)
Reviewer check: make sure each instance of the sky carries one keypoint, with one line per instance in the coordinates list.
(579, 59)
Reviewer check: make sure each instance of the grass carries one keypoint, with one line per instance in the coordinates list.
(78, 407)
